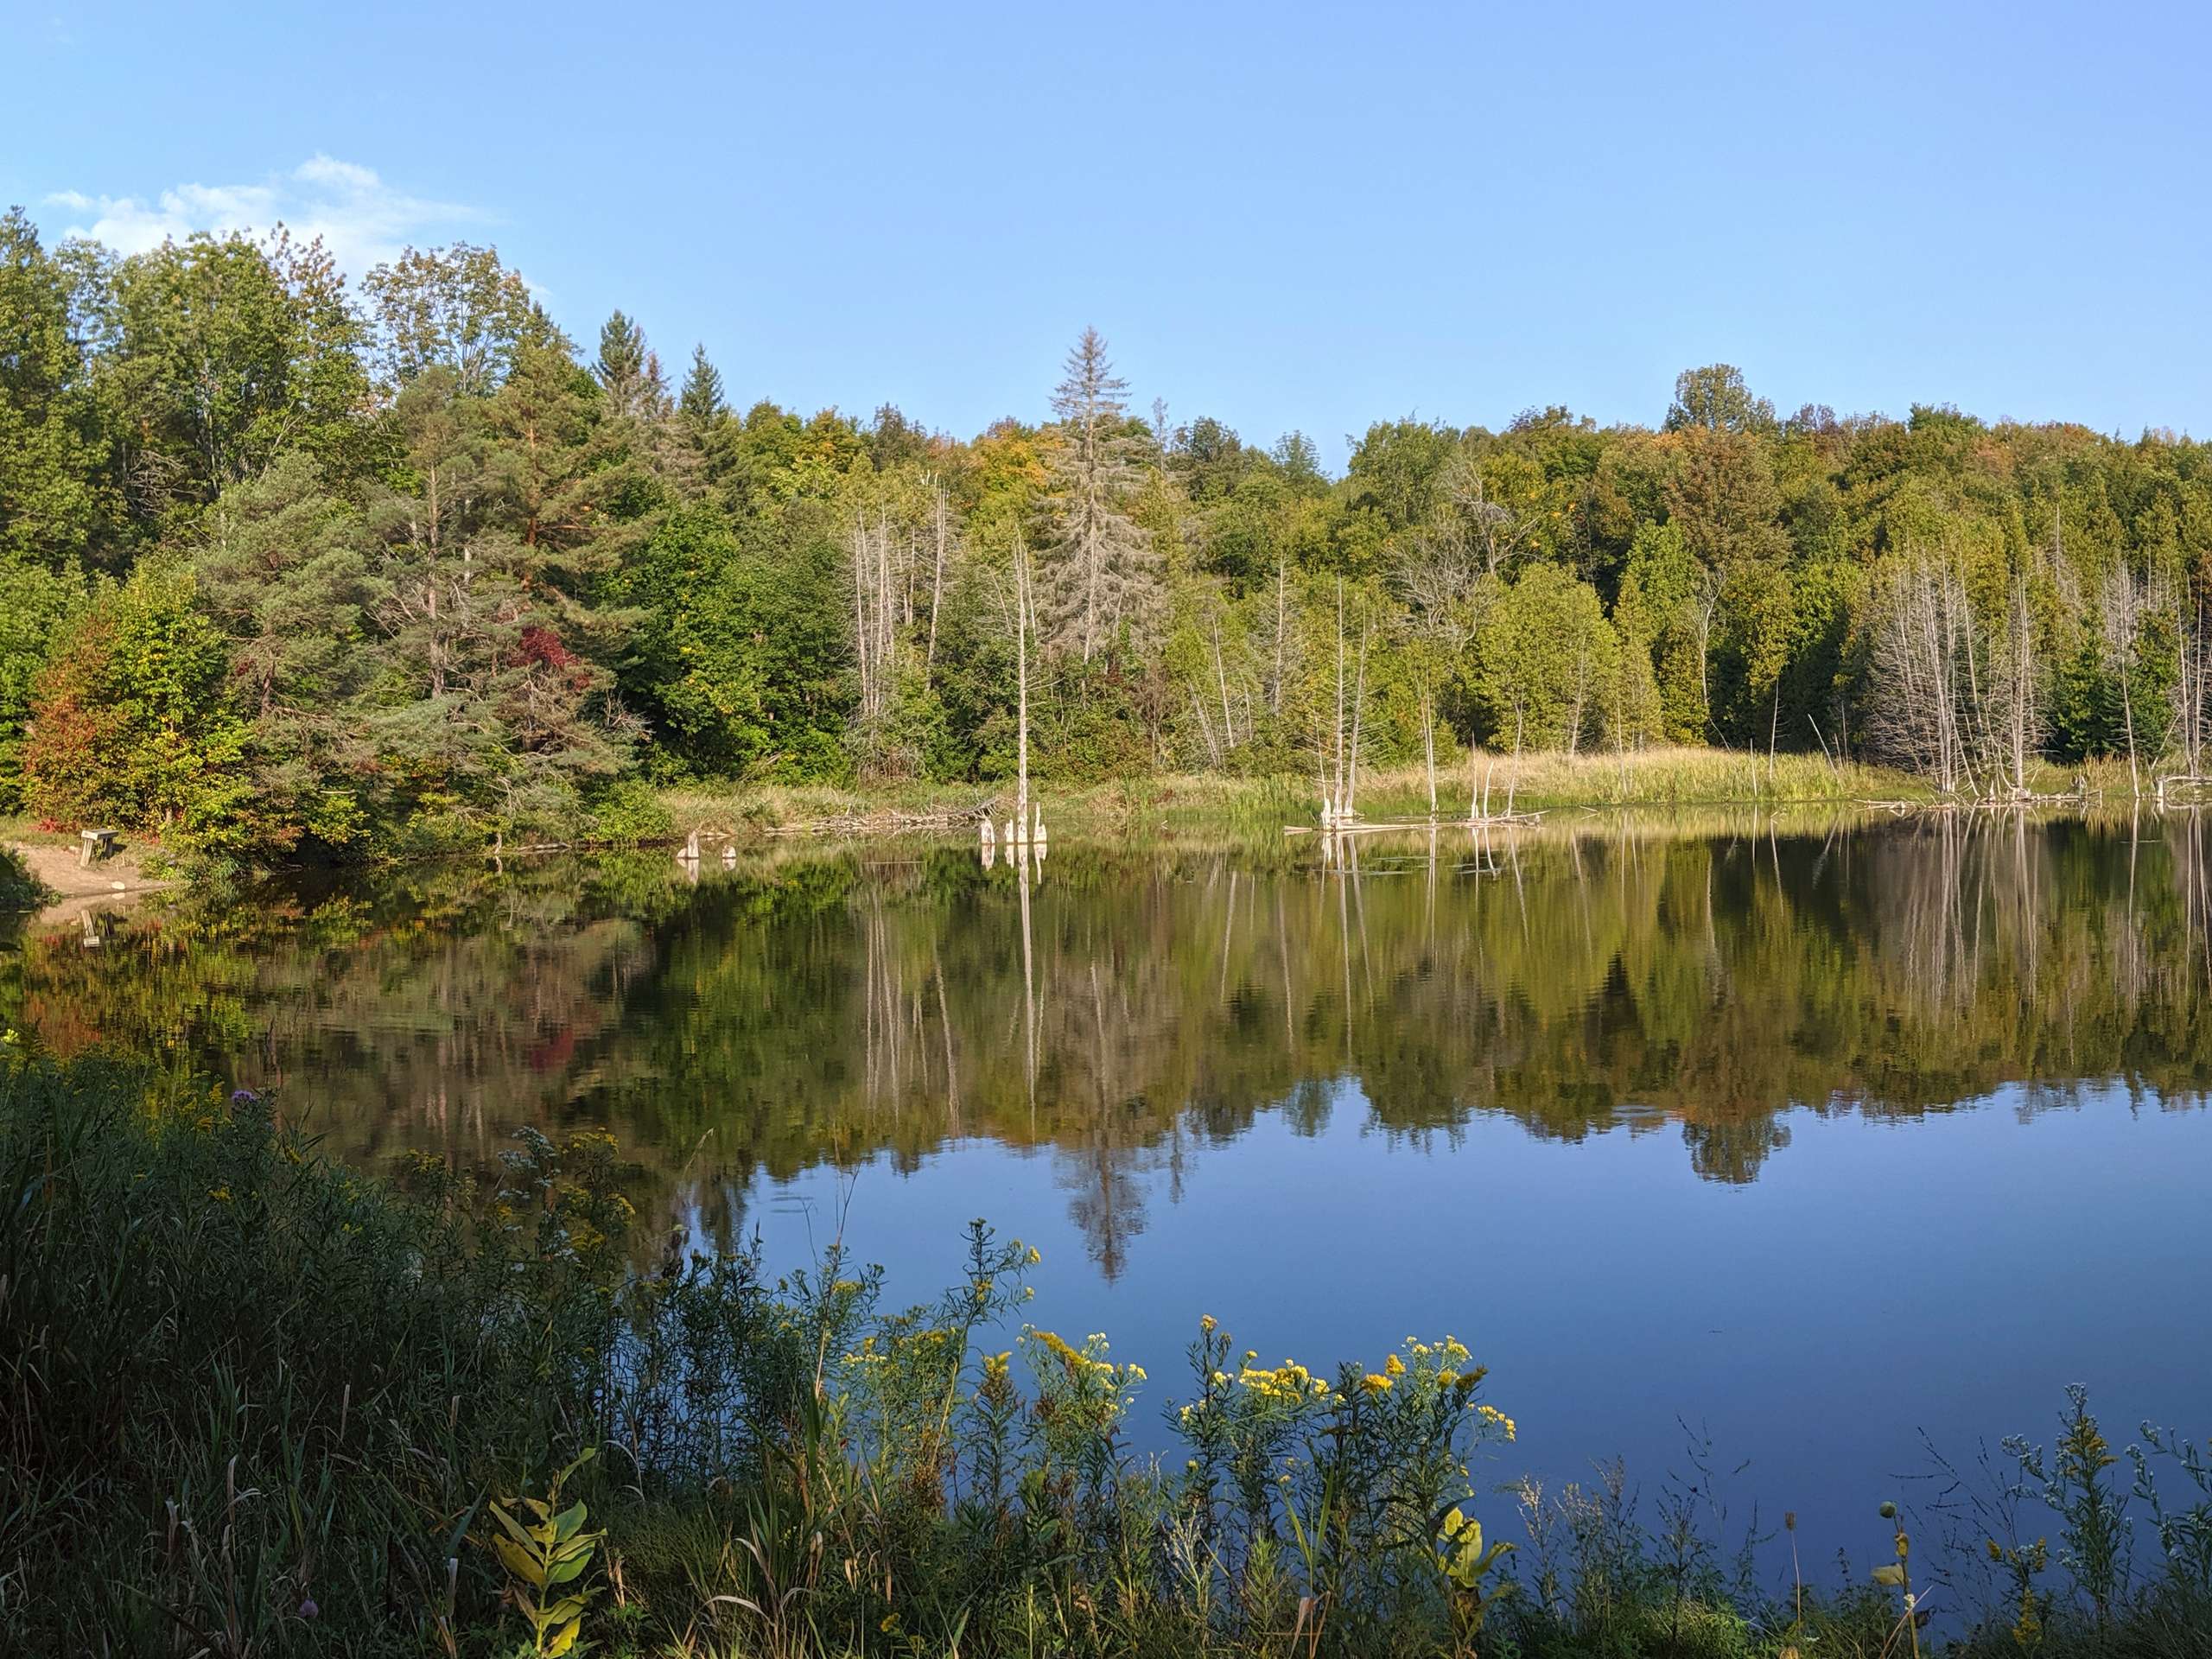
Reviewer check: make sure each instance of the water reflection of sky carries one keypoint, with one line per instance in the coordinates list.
(1947, 1274)
(1539, 1100)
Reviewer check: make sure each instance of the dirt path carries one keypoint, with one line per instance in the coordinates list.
(57, 867)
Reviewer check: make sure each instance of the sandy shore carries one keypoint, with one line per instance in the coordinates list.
(115, 876)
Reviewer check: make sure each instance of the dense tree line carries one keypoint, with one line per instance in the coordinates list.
(286, 566)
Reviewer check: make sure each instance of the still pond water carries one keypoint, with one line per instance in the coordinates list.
(1813, 1140)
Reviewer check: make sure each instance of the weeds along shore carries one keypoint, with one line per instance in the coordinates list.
(260, 1404)
(1169, 803)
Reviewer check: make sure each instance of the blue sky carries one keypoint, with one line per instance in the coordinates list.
(1287, 216)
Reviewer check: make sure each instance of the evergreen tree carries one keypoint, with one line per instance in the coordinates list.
(1098, 565)
(700, 405)
(285, 570)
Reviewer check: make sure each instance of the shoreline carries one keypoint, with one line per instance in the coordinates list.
(58, 887)
(1175, 807)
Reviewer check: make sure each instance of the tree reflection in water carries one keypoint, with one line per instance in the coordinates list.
(1136, 1011)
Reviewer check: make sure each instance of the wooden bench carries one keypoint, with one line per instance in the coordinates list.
(93, 845)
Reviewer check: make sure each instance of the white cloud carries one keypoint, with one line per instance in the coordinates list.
(360, 218)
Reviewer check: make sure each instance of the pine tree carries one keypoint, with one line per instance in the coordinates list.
(1099, 565)
(628, 372)
(700, 405)
(284, 571)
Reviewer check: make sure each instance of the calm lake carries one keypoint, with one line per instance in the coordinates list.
(1813, 1139)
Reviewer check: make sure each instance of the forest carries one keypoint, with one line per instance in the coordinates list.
(291, 568)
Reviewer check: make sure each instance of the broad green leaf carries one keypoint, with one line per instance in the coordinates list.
(520, 1533)
(520, 1562)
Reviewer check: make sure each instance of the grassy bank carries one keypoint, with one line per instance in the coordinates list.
(1209, 805)
(1172, 803)
(257, 1404)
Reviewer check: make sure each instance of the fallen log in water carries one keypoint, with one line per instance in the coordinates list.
(888, 822)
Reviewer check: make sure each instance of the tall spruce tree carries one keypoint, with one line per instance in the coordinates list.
(1098, 565)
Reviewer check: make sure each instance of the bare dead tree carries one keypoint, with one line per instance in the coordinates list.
(2192, 679)
(876, 565)
(941, 543)
(1338, 799)
(1492, 530)
(1358, 708)
(1428, 736)
(2125, 602)
(1922, 648)
(1282, 632)
(2015, 690)
(1025, 626)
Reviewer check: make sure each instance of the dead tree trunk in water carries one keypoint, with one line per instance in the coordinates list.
(2189, 680)
(1358, 708)
(2021, 682)
(1024, 617)
(1428, 740)
(1339, 796)
(2123, 621)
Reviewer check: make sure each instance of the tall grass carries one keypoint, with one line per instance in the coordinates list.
(255, 1404)
(1183, 803)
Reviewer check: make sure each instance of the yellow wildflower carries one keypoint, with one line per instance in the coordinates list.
(1375, 1383)
(1394, 1366)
